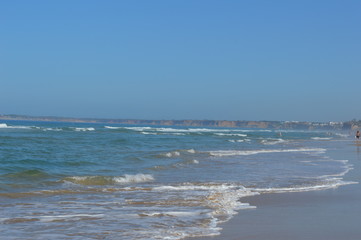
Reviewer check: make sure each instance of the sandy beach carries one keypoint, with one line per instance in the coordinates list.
(333, 214)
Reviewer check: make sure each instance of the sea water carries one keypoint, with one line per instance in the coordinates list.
(107, 181)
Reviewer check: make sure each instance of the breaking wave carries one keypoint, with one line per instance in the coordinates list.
(323, 185)
(104, 180)
(4, 125)
(224, 153)
(273, 141)
(321, 138)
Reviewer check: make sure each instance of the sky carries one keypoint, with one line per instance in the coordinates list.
(182, 59)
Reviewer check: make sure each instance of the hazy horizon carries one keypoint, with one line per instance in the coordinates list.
(145, 119)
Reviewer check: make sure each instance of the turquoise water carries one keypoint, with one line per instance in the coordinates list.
(101, 181)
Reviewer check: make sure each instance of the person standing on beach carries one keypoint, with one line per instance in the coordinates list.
(358, 135)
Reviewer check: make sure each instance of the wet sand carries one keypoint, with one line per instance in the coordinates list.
(333, 214)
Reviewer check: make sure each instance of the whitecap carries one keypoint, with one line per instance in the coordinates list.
(105, 180)
(84, 129)
(172, 154)
(137, 178)
(191, 151)
(224, 153)
(231, 134)
(139, 129)
(273, 141)
(342, 135)
(321, 138)
(148, 133)
(4, 125)
(109, 127)
(327, 184)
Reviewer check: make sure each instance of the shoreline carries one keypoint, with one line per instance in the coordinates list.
(315, 215)
(331, 214)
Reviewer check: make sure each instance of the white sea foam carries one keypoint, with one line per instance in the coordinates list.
(225, 203)
(178, 153)
(346, 167)
(342, 135)
(109, 127)
(50, 129)
(190, 130)
(149, 133)
(321, 138)
(4, 125)
(239, 140)
(172, 154)
(169, 213)
(327, 184)
(223, 199)
(231, 134)
(191, 151)
(224, 153)
(105, 180)
(138, 178)
(84, 129)
(273, 141)
(199, 187)
(140, 129)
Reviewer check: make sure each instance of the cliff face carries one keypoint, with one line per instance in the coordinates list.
(201, 123)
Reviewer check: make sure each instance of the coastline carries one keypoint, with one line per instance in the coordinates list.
(332, 214)
(300, 125)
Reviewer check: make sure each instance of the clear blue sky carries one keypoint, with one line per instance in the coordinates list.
(195, 59)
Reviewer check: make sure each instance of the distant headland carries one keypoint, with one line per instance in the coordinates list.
(348, 125)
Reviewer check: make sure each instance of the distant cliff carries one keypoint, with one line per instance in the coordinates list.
(350, 125)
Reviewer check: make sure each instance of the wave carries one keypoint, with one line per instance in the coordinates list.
(342, 135)
(273, 141)
(323, 185)
(177, 153)
(193, 209)
(321, 138)
(222, 199)
(225, 153)
(84, 129)
(172, 154)
(105, 180)
(139, 129)
(191, 151)
(184, 163)
(190, 130)
(134, 178)
(4, 125)
(231, 134)
(49, 129)
(239, 140)
(57, 129)
(109, 127)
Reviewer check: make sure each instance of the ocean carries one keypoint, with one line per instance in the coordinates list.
(107, 181)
